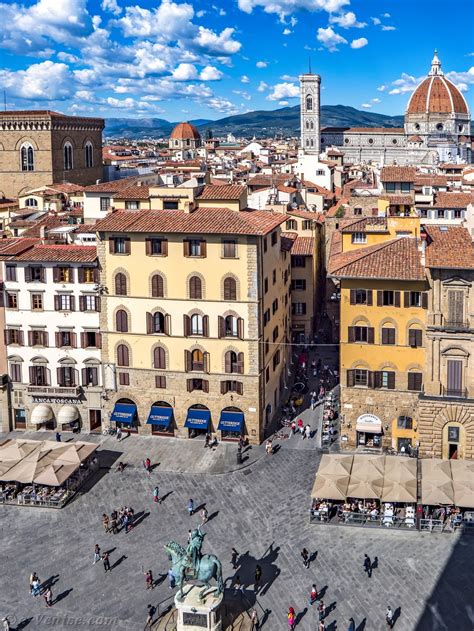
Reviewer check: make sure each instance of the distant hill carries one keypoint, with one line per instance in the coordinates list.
(285, 120)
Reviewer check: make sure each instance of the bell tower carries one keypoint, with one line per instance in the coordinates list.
(310, 87)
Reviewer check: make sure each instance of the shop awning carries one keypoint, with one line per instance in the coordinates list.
(198, 419)
(231, 421)
(369, 423)
(436, 482)
(366, 477)
(160, 416)
(400, 482)
(462, 472)
(68, 414)
(41, 414)
(124, 413)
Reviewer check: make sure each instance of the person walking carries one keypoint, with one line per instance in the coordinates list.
(191, 508)
(238, 588)
(313, 597)
(300, 427)
(48, 597)
(204, 516)
(314, 398)
(291, 618)
(106, 562)
(258, 577)
(321, 611)
(307, 431)
(171, 579)
(33, 578)
(233, 558)
(352, 625)
(58, 437)
(367, 565)
(36, 587)
(147, 465)
(105, 522)
(113, 527)
(322, 626)
(156, 495)
(255, 622)
(96, 554)
(6, 624)
(150, 583)
(389, 617)
(305, 557)
(149, 618)
(293, 427)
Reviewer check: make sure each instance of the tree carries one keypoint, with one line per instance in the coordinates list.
(340, 212)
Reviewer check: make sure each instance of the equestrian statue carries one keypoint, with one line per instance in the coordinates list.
(189, 564)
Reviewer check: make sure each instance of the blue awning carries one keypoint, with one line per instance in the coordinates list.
(198, 419)
(160, 416)
(124, 413)
(231, 421)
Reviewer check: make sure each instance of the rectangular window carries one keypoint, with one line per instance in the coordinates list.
(64, 275)
(276, 359)
(274, 277)
(124, 379)
(34, 274)
(458, 213)
(232, 386)
(388, 298)
(291, 224)
(64, 302)
(405, 422)
(265, 285)
(15, 373)
(274, 238)
(388, 335)
(90, 339)
(89, 303)
(358, 212)
(298, 284)
(267, 347)
(298, 261)
(194, 247)
(360, 377)
(275, 306)
(87, 275)
(390, 187)
(266, 317)
(423, 213)
(405, 187)
(265, 244)
(66, 376)
(160, 381)
(120, 245)
(307, 224)
(38, 338)
(131, 204)
(361, 334)
(359, 237)
(14, 336)
(455, 377)
(37, 302)
(415, 338)
(360, 296)
(229, 248)
(441, 213)
(65, 338)
(455, 307)
(90, 376)
(11, 300)
(10, 273)
(415, 299)
(267, 374)
(171, 204)
(298, 308)
(415, 381)
(275, 334)
(39, 375)
(105, 204)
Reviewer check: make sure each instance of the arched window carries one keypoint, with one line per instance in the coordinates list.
(234, 362)
(309, 103)
(231, 326)
(159, 358)
(197, 324)
(230, 289)
(88, 155)
(197, 360)
(123, 356)
(307, 142)
(312, 125)
(157, 289)
(311, 142)
(31, 202)
(120, 284)
(195, 288)
(67, 156)
(121, 321)
(27, 158)
(307, 124)
(158, 322)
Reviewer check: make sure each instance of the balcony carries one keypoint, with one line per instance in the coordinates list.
(451, 325)
(455, 394)
(54, 391)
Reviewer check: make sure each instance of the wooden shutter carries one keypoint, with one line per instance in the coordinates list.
(230, 289)
(127, 245)
(391, 336)
(6, 336)
(148, 247)
(391, 380)
(32, 372)
(221, 326)
(164, 247)
(379, 298)
(73, 340)
(82, 303)
(97, 303)
(112, 246)
(84, 376)
(80, 275)
(27, 274)
(240, 387)
(371, 378)
(424, 300)
(187, 361)
(55, 274)
(45, 338)
(350, 378)
(186, 247)
(83, 340)
(205, 326)
(72, 303)
(186, 325)
(384, 336)
(419, 337)
(207, 362)
(418, 381)
(205, 385)
(228, 362)
(30, 338)
(98, 340)
(149, 323)
(396, 298)
(96, 275)
(21, 338)
(406, 298)
(56, 303)
(370, 334)
(240, 363)
(454, 375)
(59, 376)
(240, 328)
(157, 290)
(455, 306)
(203, 248)
(369, 297)
(167, 324)
(189, 385)
(223, 387)
(57, 337)
(351, 334)
(412, 337)
(376, 379)
(159, 358)
(352, 296)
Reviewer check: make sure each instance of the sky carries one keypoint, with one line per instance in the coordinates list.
(184, 60)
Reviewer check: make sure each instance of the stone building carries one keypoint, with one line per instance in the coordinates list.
(44, 147)
(194, 321)
(185, 141)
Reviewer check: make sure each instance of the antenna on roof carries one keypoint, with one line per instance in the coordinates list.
(309, 64)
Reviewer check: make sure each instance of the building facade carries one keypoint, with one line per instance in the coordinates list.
(44, 147)
(310, 90)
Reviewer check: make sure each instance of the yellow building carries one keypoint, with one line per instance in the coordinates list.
(195, 316)
(378, 263)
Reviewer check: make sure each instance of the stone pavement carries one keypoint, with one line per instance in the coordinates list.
(262, 510)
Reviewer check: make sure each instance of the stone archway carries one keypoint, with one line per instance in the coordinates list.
(461, 416)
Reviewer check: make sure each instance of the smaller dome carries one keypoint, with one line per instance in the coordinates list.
(185, 131)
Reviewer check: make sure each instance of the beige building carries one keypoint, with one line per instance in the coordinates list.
(194, 320)
(44, 147)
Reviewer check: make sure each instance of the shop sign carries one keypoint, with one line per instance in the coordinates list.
(368, 419)
(191, 619)
(59, 400)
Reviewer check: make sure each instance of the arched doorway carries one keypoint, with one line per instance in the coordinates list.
(161, 419)
(125, 415)
(454, 441)
(231, 423)
(198, 421)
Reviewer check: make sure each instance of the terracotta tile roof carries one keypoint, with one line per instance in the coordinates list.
(287, 240)
(304, 214)
(336, 244)
(201, 221)
(449, 247)
(286, 189)
(111, 187)
(68, 187)
(415, 138)
(267, 180)
(425, 179)
(60, 253)
(453, 200)
(405, 200)
(133, 192)
(47, 222)
(397, 259)
(333, 210)
(303, 246)
(398, 174)
(450, 165)
(318, 189)
(85, 228)
(223, 191)
(16, 245)
(8, 203)
(364, 224)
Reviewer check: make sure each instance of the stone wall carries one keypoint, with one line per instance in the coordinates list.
(434, 415)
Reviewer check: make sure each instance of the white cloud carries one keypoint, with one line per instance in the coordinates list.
(330, 39)
(376, 21)
(382, 88)
(200, 14)
(283, 90)
(283, 103)
(376, 100)
(245, 95)
(111, 6)
(386, 27)
(366, 106)
(67, 57)
(288, 77)
(462, 79)
(284, 8)
(46, 81)
(293, 21)
(220, 44)
(261, 64)
(386, 15)
(287, 31)
(168, 22)
(262, 86)
(210, 73)
(185, 72)
(222, 105)
(346, 20)
(359, 43)
(244, 79)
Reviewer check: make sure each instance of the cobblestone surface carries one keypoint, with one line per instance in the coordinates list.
(262, 510)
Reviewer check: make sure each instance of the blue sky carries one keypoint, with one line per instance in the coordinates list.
(211, 58)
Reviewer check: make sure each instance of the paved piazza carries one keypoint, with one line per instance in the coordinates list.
(262, 510)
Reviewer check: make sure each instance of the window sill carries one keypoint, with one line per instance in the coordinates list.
(121, 253)
(231, 258)
(157, 255)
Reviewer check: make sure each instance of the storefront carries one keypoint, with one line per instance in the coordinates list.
(161, 420)
(42, 417)
(369, 431)
(231, 424)
(125, 416)
(198, 421)
(68, 418)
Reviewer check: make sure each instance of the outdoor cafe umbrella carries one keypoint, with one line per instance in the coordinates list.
(366, 477)
(55, 474)
(335, 464)
(328, 486)
(436, 482)
(400, 483)
(17, 449)
(463, 482)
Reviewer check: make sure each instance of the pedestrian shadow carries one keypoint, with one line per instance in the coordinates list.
(166, 495)
(313, 556)
(48, 583)
(361, 625)
(300, 616)
(375, 563)
(199, 508)
(160, 580)
(62, 595)
(23, 624)
(322, 592)
(139, 517)
(276, 448)
(213, 516)
(118, 562)
(396, 615)
(154, 466)
(270, 571)
(332, 626)
(329, 609)
(109, 552)
(265, 617)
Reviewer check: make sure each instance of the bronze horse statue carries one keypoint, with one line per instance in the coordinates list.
(188, 566)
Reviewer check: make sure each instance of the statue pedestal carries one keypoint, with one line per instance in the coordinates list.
(198, 615)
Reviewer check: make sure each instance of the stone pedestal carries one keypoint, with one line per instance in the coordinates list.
(198, 615)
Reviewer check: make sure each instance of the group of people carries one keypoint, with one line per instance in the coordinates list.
(36, 589)
(121, 519)
(299, 426)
